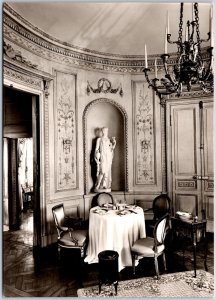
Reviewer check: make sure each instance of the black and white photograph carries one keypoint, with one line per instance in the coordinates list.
(108, 149)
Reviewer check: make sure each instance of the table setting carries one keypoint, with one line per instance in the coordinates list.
(114, 227)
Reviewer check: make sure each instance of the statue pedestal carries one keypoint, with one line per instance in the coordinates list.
(102, 190)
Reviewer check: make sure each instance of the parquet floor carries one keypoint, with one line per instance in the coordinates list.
(29, 274)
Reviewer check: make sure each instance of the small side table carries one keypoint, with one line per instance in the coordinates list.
(195, 231)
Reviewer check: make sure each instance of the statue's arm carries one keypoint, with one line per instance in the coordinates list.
(97, 151)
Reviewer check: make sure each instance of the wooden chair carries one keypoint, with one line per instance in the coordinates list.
(69, 236)
(103, 198)
(160, 207)
(152, 247)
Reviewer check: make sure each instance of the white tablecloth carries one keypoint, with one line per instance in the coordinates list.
(113, 232)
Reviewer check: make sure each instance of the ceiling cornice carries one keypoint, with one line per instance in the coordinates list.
(26, 35)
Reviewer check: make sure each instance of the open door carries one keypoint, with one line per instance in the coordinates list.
(36, 171)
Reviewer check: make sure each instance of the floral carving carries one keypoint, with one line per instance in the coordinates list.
(144, 133)
(66, 132)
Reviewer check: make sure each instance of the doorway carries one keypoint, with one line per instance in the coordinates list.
(190, 157)
(21, 201)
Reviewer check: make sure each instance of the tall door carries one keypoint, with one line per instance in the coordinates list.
(190, 156)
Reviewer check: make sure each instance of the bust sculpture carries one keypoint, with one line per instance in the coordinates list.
(104, 151)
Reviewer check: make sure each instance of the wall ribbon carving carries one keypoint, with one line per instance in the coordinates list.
(16, 55)
(104, 86)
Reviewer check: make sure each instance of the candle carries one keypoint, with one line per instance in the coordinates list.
(210, 20)
(146, 58)
(165, 42)
(168, 27)
(192, 11)
(156, 68)
(186, 33)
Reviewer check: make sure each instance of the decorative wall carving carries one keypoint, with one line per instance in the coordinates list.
(144, 135)
(124, 113)
(65, 129)
(104, 86)
(20, 77)
(16, 55)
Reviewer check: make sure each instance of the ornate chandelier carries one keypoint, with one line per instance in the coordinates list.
(190, 67)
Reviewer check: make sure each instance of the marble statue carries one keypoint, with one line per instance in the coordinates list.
(104, 151)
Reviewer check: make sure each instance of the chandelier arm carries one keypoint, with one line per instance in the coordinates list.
(172, 42)
(206, 40)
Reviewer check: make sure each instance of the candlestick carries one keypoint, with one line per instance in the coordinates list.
(156, 68)
(168, 27)
(146, 58)
(165, 42)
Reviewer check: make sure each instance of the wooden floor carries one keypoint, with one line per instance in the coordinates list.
(42, 274)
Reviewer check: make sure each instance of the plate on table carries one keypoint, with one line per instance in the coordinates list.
(100, 211)
(123, 212)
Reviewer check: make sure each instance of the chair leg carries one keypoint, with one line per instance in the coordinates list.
(156, 266)
(133, 263)
(164, 261)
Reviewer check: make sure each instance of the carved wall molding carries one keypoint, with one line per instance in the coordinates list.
(125, 117)
(21, 73)
(66, 162)
(144, 133)
(192, 94)
(104, 86)
(20, 77)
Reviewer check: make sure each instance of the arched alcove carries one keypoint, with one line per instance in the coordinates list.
(106, 113)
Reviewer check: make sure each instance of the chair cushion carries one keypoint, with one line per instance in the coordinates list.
(145, 247)
(66, 240)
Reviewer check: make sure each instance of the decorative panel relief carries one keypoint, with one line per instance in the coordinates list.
(65, 132)
(144, 135)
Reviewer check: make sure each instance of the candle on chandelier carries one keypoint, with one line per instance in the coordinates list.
(155, 67)
(192, 11)
(186, 33)
(146, 58)
(168, 27)
(165, 42)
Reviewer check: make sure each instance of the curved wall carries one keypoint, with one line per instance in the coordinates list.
(67, 80)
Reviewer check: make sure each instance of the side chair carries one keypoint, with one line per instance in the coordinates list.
(69, 234)
(161, 206)
(152, 247)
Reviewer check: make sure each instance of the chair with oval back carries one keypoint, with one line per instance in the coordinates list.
(161, 206)
(152, 247)
(105, 198)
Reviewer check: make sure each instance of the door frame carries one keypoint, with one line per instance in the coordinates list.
(40, 203)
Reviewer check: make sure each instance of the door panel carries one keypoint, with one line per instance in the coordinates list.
(184, 146)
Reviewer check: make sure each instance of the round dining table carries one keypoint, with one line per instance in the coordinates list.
(116, 230)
